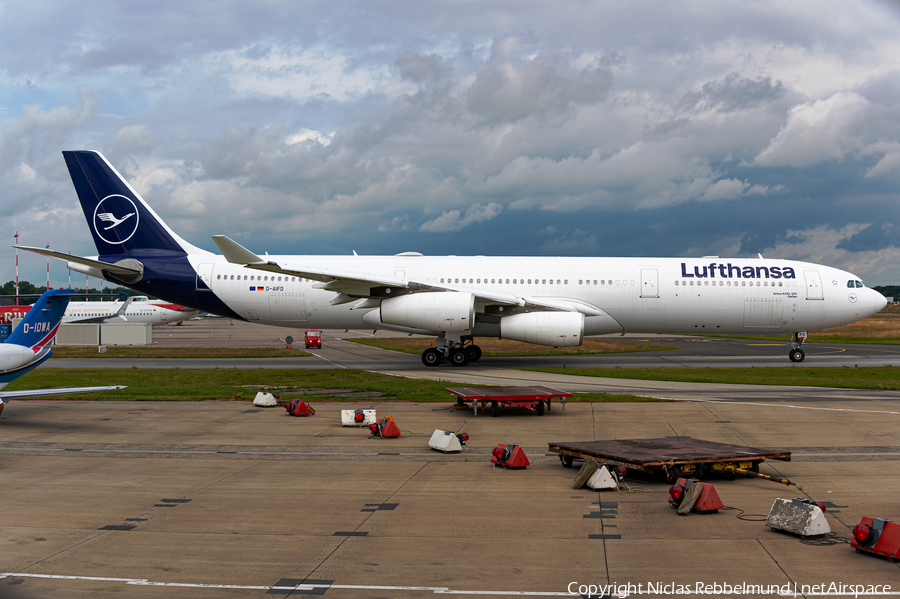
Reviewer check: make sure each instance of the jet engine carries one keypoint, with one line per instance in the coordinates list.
(559, 329)
(449, 311)
(14, 356)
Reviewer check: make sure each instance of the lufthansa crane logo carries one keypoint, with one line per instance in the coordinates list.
(853, 298)
(115, 219)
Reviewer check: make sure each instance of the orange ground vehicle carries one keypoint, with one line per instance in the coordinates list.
(313, 339)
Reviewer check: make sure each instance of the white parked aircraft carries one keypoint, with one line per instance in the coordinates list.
(547, 301)
(135, 309)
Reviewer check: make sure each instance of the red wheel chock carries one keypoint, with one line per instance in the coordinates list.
(693, 496)
(509, 456)
(386, 428)
(299, 408)
(877, 536)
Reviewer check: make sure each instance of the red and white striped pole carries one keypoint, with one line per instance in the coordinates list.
(17, 269)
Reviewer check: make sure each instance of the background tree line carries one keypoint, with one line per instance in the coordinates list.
(26, 288)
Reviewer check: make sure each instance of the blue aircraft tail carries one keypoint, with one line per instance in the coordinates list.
(119, 219)
(41, 322)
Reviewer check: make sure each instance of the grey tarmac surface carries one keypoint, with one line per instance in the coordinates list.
(228, 500)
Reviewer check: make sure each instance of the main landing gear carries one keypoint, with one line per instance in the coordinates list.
(458, 353)
(796, 354)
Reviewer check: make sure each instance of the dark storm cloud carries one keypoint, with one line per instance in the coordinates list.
(875, 237)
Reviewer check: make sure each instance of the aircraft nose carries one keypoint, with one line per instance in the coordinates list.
(878, 301)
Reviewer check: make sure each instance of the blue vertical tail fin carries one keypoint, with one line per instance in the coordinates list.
(41, 322)
(119, 219)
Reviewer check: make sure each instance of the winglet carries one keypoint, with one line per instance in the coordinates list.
(235, 252)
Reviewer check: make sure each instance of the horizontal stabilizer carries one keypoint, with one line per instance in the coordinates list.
(113, 268)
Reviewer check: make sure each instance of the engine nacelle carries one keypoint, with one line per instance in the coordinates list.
(559, 329)
(450, 311)
(14, 356)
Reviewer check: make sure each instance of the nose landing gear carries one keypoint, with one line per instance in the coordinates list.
(796, 354)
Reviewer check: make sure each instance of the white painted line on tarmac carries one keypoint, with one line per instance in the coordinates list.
(327, 360)
(299, 587)
(783, 405)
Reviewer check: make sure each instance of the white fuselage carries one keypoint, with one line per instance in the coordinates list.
(138, 312)
(634, 295)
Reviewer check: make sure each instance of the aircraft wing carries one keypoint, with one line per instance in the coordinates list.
(352, 286)
(43, 392)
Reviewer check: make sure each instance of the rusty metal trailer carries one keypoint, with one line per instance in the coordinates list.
(672, 457)
(501, 398)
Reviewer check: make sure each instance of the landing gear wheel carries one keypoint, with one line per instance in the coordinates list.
(459, 357)
(477, 352)
(672, 474)
(566, 460)
(495, 409)
(539, 408)
(796, 355)
(431, 357)
(472, 353)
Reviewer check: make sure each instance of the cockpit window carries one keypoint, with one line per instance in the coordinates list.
(859, 284)
(850, 284)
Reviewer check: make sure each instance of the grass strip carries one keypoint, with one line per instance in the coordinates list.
(233, 384)
(505, 347)
(881, 377)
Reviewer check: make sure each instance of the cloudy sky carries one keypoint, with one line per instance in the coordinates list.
(504, 127)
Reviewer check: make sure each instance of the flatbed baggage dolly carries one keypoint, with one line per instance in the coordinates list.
(673, 457)
(502, 398)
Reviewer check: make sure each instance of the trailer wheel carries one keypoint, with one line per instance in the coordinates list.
(566, 460)
(729, 475)
(699, 472)
(539, 408)
(671, 474)
(495, 409)
(754, 467)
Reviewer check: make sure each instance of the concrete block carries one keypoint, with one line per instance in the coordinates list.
(348, 417)
(265, 400)
(602, 479)
(797, 516)
(445, 441)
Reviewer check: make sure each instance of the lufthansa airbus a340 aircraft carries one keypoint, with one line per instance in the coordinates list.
(546, 301)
